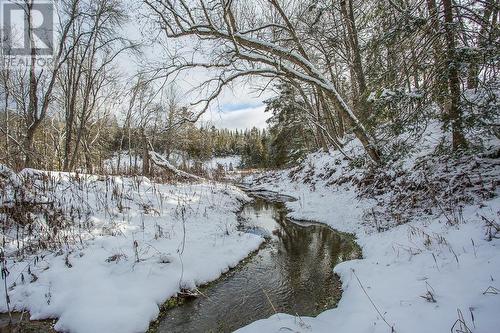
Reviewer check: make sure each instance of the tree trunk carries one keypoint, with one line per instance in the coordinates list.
(145, 155)
(28, 146)
(355, 65)
(482, 40)
(6, 110)
(455, 112)
(67, 143)
(88, 158)
(32, 121)
(441, 86)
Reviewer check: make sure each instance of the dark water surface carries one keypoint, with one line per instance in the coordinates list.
(292, 273)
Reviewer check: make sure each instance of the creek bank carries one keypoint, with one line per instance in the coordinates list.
(451, 256)
(292, 272)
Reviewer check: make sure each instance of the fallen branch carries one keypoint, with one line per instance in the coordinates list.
(492, 228)
(162, 162)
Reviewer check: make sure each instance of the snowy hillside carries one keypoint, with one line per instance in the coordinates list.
(430, 238)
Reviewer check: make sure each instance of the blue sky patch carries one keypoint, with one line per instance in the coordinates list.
(239, 106)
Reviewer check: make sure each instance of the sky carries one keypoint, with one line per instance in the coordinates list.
(237, 116)
(237, 107)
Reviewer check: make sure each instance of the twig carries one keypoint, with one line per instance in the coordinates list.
(491, 290)
(474, 247)
(269, 300)
(460, 321)
(373, 304)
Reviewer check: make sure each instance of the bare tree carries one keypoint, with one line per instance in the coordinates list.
(358, 80)
(266, 44)
(41, 81)
(94, 43)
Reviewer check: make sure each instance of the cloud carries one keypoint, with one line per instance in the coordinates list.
(238, 119)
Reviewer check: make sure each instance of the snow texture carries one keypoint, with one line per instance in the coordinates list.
(133, 256)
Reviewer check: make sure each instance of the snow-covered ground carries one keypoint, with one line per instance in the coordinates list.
(434, 274)
(428, 269)
(141, 243)
(123, 163)
(228, 163)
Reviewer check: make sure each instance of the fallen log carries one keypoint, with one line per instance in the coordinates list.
(162, 162)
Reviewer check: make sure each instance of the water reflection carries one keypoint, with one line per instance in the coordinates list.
(291, 274)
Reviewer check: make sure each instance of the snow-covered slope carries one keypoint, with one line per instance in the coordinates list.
(436, 270)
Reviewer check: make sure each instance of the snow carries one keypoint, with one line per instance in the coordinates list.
(386, 290)
(227, 162)
(129, 163)
(134, 256)
(426, 275)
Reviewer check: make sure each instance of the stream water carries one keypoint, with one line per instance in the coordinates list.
(291, 273)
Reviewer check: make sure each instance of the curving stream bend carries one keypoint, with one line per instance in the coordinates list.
(291, 273)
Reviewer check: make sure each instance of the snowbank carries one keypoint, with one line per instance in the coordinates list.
(137, 244)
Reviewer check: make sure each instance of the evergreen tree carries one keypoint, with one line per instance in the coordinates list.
(290, 134)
